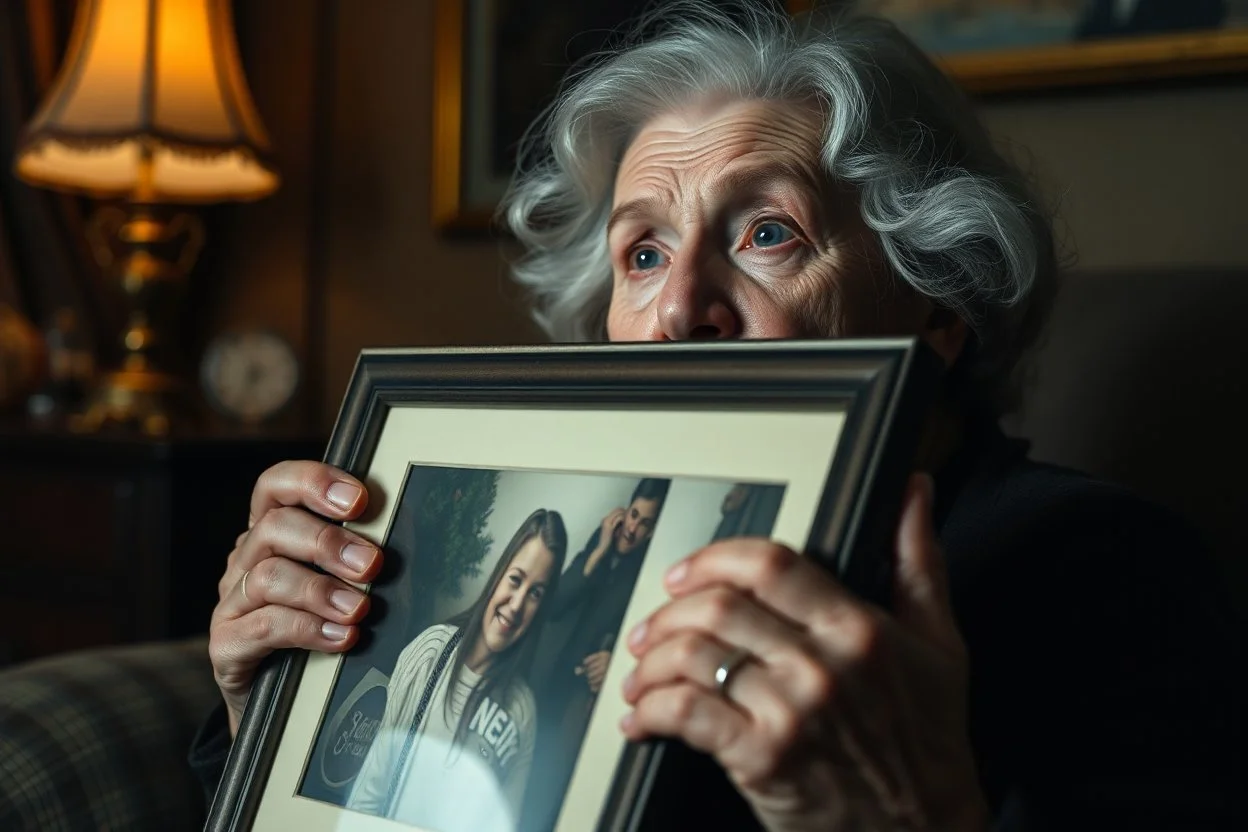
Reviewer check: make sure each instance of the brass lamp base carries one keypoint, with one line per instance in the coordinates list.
(149, 251)
(135, 400)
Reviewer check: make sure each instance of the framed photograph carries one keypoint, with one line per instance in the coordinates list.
(529, 501)
(1013, 45)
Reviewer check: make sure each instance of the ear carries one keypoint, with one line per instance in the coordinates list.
(945, 332)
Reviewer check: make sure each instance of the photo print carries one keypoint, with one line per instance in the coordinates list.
(503, 600)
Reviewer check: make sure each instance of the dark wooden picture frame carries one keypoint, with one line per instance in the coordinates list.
(879, 391)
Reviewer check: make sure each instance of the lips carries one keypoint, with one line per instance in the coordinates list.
(505, 622)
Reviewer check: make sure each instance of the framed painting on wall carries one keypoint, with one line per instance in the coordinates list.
(497, 63)
(994, 46)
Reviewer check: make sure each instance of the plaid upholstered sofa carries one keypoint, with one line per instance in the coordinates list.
(97, 740)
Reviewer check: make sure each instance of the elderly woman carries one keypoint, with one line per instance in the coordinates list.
(757, 178)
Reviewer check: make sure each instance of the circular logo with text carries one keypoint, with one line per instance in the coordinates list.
(350, 733)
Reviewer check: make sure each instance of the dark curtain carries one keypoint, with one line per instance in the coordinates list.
(45, 261)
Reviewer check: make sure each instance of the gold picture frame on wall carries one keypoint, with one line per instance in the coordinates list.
(496, 64)
(989, 46)
(998, 46)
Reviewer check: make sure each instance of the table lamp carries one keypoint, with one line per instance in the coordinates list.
(150, 108)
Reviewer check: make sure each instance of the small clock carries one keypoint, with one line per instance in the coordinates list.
(250, 376)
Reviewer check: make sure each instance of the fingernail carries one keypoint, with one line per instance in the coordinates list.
(343, 494)
(627, 687)
(626, 723)
(677, 573)
(345, 601)
(334, 632)
(358, 556)
(638, 635)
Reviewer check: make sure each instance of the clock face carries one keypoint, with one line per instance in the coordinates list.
(250, 376)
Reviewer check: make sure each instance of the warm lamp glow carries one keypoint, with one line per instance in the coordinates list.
(151, 105)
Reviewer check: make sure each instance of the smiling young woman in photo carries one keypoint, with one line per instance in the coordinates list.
(460, 720)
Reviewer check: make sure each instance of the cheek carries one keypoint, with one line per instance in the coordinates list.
(823, 302)
(527, 612)
(774, 311)
(637, 294)
(854, 295)
(628, 322)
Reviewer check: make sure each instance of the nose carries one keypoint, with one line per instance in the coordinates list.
(513, 601)
(694, 303)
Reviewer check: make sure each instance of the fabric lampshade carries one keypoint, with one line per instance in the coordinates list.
(151, 105)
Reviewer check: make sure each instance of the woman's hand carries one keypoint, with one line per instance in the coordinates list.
(594, 669)
(270, 597)
(841, 716)
(610, 525)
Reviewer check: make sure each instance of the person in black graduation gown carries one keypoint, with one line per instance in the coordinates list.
(587, 612)
(748, 510)
(1056, 654)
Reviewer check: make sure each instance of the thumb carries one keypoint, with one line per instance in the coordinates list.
(921, 581)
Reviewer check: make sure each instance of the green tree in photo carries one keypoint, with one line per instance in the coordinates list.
(452, 520)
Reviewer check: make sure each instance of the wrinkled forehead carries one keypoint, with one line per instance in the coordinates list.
(718, 144)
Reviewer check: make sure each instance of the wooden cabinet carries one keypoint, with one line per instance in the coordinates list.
(105, 540)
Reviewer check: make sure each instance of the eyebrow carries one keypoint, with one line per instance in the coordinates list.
(750, 179)
(642, 208)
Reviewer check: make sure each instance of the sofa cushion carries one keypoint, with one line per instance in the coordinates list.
(97, 740)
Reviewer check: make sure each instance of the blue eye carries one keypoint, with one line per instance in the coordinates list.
(644, 259)
(770, 234)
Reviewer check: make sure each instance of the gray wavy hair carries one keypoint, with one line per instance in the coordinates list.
(954, 219)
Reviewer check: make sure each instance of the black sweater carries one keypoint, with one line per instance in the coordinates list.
(1106, 661)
